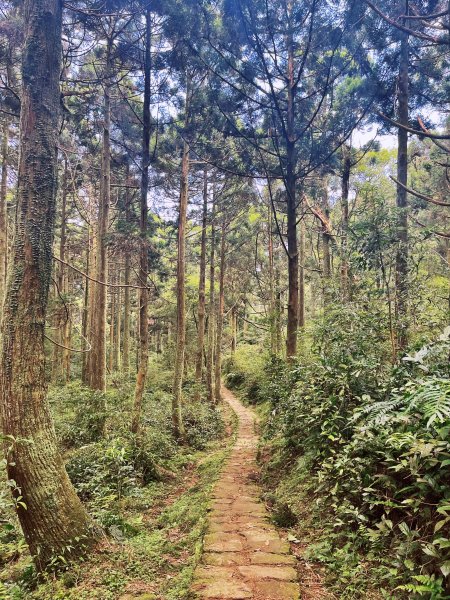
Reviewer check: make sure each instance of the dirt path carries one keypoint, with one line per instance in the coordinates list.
(244, 556)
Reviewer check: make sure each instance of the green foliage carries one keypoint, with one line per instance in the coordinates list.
(79, 412)
(244, 371)
(367, 444)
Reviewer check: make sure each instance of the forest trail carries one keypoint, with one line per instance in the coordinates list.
(244, 556)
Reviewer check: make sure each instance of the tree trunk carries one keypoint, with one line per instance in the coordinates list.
(97, 355)
(272, 320)
(62, 307)
(292, 320)
(201, 290)
(54, 517)
(401, 262)
(112, 324)
(141, 376)
(220, 311)
(301, 276)
(181, 299)
(118, 327)
(86, 307)
(234, 330)
(326, 246)
(346, 170)
(126, 298)
(278, 313)
(4, 212)
(211, 310)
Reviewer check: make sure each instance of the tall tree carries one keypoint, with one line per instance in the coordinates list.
(96, 371)
(202, 288)
(143, 252)
(401, 263)
(53, 518)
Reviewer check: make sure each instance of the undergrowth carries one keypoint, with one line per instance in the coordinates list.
(149, 495)
(356, 456)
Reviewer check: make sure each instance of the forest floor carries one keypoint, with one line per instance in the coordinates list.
(244, 555)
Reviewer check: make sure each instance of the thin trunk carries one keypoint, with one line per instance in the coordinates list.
(346, 170)
(220, 311)
(67, 327)
(117, 329)
(54, 518)
(278, 306)
(326, 247)
(97, 355)
(301, 276)
(292, 320)
(127, 298)
(141, 376)
(181, 299)
(401, 266)
(201, 290)
(234, 330)
(112, 324)
(4, 212)
(211, 310)
(271, 281)
(62, 310)
(85, 317)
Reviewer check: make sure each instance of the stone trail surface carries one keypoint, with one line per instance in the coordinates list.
(243, 554)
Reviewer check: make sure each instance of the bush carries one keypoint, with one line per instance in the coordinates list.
(79, 413)
(203, 423)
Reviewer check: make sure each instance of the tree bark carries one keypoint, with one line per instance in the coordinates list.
(118, 328)
(177, 400)
(141, 376)
(4, 212)
(86, 311)
(112, 325)
(401, 262)
(272, 321)
(62, 307)
(346, 171)
(220, 311)
(97, 355)
(127, 298)
(326, 246)
(234, 330)
(292, 320)
(211, 309)
(54, 517)
(301, 276)
(201, 290)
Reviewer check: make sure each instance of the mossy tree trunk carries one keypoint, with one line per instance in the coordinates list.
(54, 518)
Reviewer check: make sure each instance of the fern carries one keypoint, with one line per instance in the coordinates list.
(380, 413)
(432, 399)
(428, 397)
